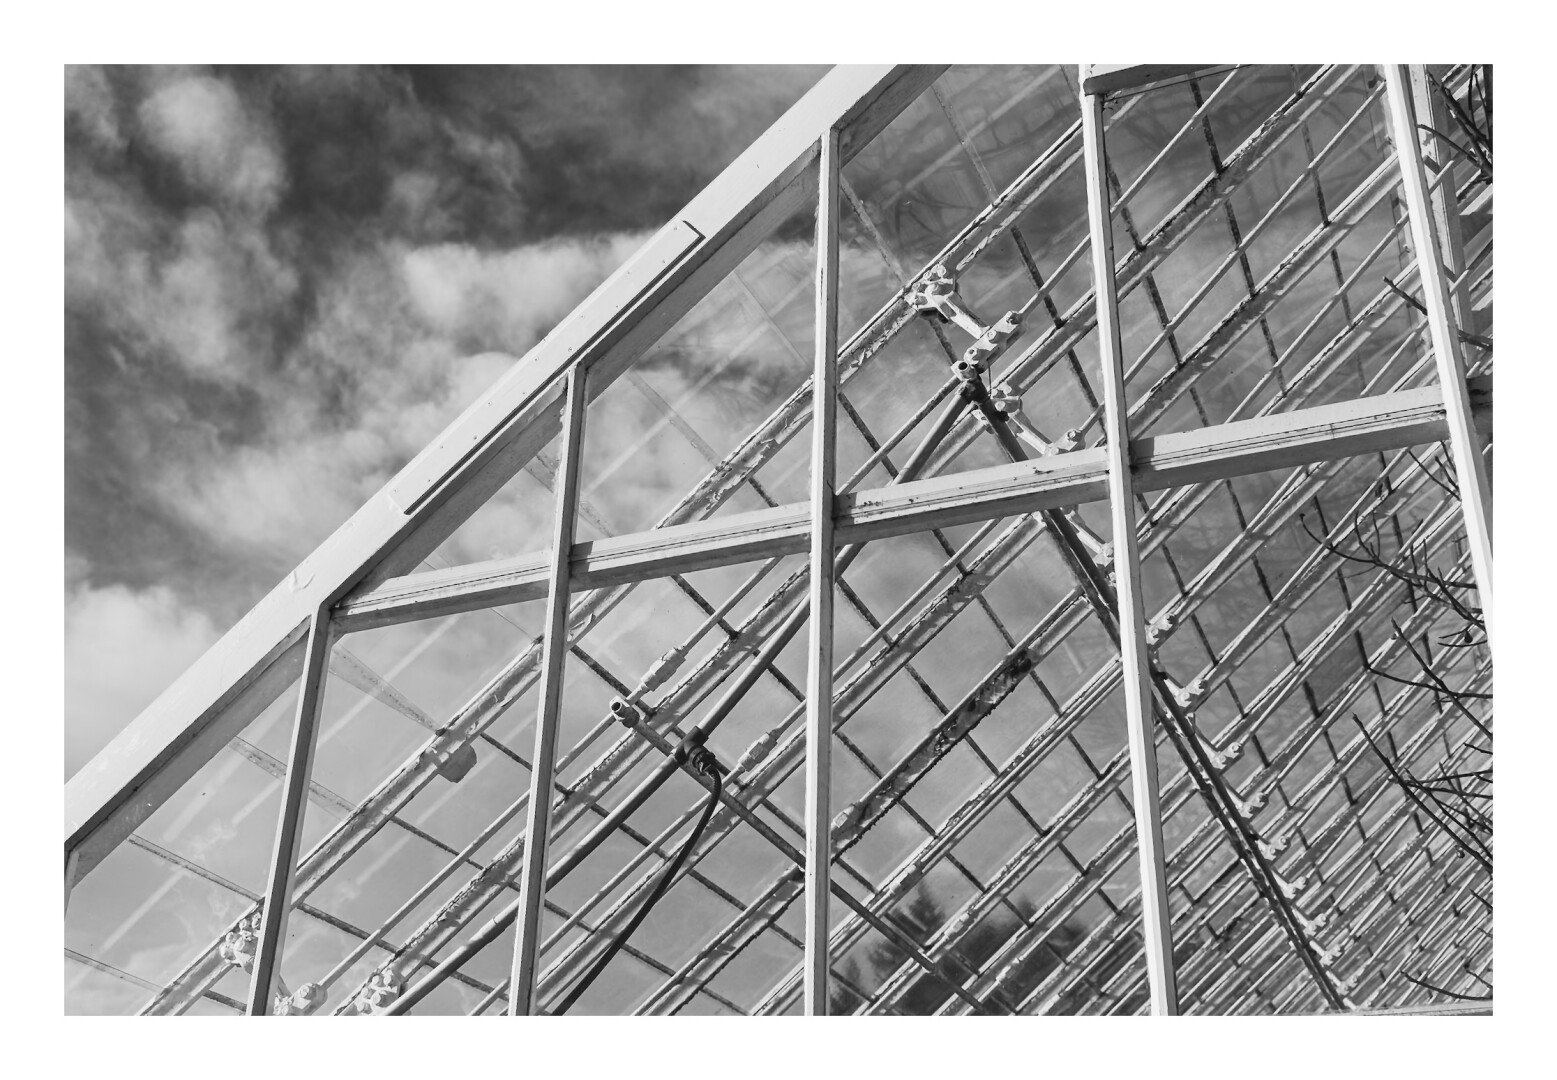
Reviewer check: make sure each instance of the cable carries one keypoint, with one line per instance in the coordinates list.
(691, 750)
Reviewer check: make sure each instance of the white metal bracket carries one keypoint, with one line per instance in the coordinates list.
(936, 290)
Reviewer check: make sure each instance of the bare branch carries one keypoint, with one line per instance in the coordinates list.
(1470, 339)
(1440, 990)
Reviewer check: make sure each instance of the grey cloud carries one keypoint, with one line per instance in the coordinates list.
(220, 142)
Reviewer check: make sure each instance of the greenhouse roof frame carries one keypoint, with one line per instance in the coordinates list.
(1252, 911)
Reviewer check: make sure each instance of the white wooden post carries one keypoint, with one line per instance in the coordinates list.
(819, 653)
(1127, 566)
(1470, 468)
(532, 882)
(289, 827)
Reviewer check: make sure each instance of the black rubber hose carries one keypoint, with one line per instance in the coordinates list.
(663, 884)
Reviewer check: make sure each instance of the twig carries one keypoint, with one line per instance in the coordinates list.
(1440, 990)
(1470, 339)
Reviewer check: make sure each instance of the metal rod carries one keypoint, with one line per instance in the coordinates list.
(819, 652)
(1470, 468)
(289, 827)
(532, 881)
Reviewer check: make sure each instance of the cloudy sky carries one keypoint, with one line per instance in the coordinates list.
(281, 282)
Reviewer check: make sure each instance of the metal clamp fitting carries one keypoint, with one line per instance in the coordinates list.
(992, 342)
(382, 990)
(304, 1001)
(241, 943)
(691, 751)
(625, 712)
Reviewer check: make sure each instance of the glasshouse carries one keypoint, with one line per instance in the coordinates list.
(1017, 542)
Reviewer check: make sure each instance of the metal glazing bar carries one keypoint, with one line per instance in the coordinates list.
(1470, 467)
(819, 652)
(1025, 369)
(1245, 243)
(1175, 613)
(1450, 1008)
(1191, 991)
(532, 882)
(289, 827)
(1372, 790)
(1127, 572)
(145, 984)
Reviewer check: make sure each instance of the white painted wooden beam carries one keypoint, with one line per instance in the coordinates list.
(1282, 440)
(819, 652)
(1134, 659)
(289, 826)
(1104, 79)
(543, 763)
(1470, 467)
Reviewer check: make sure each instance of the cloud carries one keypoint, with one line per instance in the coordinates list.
(219, 142)
(203, 290)
(513, 296)
(379, 372)
(122, 648)
(89, 103)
